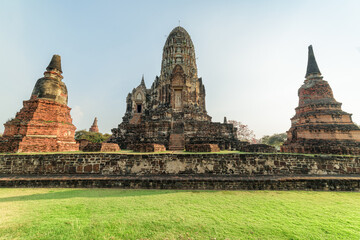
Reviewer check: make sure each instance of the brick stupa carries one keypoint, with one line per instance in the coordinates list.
(94, 127)
(44, 123)
(319, 125)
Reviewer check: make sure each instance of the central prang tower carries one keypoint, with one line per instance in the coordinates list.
(178, 93)
(179, 85)
(172, 112)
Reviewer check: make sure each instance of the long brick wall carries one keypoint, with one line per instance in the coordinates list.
(182, 171)
(178, 164)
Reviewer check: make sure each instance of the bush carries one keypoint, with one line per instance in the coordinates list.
(91, 136)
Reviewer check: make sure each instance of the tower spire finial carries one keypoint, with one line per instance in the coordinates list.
(55, 63)
(142, 80)
(312, 67)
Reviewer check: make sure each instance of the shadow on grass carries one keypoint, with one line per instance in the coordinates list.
(87, 193)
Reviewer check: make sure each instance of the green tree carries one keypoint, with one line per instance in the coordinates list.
(91, 136)
(275, 140)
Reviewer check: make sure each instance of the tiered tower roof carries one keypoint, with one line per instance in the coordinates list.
(179, 50)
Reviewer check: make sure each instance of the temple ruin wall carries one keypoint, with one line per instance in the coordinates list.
(178, 164)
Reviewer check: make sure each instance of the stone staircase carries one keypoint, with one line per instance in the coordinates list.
(177, 142)
(136, 119)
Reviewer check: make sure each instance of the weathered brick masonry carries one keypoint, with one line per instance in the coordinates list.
(182, 171)
(177, 164)
(343, 183)
(148, 147)
(101, 147)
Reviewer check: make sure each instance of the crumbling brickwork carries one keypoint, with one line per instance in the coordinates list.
(248, 164)
(185, 182)
(148, 147)
(82, 143)
(182, 171)
(202, 148)
(259, 148)
(101, 147)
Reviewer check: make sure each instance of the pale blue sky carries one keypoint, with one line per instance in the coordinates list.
(251, 54)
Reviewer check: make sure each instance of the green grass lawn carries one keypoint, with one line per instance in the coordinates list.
(166, 214)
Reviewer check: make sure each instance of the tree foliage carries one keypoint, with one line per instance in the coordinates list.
(275, 140)
(243, 132)
(91, 136)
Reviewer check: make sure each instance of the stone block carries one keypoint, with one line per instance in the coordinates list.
(101, 147)
(82, 143)
(148, 147)
(259, 148)
(202, 148)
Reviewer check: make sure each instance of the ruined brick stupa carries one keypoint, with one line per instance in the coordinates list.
(319, 125)
(172, 112)
(94, 127)
(44, 123)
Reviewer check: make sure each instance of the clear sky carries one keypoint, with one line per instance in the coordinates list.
(252, 55)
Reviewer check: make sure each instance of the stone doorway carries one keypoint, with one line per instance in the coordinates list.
(139, 108)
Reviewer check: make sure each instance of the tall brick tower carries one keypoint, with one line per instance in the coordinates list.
(319, 125)
(44, 123)
(94, 127)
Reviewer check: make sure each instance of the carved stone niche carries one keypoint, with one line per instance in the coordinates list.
(177, 85)
(139, 102)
